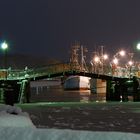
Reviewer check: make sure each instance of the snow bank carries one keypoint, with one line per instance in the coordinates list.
(55, 134)
(16, 125)
(11, 116)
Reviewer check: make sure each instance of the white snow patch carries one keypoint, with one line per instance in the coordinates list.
(15, 125)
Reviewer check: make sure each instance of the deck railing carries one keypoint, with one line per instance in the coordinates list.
(18, 74)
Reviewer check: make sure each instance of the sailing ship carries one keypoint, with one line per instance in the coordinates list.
(76, 81)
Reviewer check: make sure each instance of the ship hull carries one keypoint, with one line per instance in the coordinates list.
(77, 83)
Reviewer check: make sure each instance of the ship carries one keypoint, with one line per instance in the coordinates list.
(76, 82)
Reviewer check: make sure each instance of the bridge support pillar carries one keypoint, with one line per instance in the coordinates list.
(98, 88)
(136, 90)
(9, 91)
(123, 90)
(109, 90)
(113, 91)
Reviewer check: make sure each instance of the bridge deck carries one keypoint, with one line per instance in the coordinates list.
(53, 71)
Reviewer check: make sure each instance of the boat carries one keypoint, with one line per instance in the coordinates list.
(76, 82)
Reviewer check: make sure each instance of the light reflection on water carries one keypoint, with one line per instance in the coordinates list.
(57, 93)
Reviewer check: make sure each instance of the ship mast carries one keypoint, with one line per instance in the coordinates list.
(74, 63)
(74, 60)
(102, 59)
(83, 63)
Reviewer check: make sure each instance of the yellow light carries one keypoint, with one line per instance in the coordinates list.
(122, 53)
(105, 56)
(130, 63)
(115, 61)
(96, 59)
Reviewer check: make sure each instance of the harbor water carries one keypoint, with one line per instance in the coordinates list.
(55, 92)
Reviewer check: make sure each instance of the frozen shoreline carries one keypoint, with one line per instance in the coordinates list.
(16, 124)
(115, 116)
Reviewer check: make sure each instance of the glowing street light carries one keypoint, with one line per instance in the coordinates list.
(138, 46)
(105, 56)
(96, 59)
(115, 61)
(114, 64)
(4, 47)
(130, 63)
(122, 53)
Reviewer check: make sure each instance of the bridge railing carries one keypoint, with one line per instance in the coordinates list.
(42, 71)
(33, 73)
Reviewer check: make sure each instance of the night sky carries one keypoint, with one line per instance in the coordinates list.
(49, 27)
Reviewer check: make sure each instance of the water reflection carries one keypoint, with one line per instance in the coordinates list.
(58, 94)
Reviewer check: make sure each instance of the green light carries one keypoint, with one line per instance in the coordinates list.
(4, 46)
(138, 46)
(129, 81)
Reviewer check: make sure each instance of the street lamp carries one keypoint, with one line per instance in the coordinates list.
(96, 61)
(105, 56)
(138, 46)
(4, 47)
(122, 53)
(115, 61)
(130, 63)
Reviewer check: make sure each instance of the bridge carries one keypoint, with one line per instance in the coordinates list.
(54, 70)
(19, 80)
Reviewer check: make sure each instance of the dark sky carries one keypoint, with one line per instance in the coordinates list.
(49, 27)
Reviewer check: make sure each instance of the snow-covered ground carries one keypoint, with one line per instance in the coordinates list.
(17, 125)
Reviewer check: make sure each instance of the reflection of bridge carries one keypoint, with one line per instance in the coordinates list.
(20, 79)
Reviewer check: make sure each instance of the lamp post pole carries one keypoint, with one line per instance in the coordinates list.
(4, 47)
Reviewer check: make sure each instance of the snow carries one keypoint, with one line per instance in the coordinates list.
(11, 116)
(17, 125)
